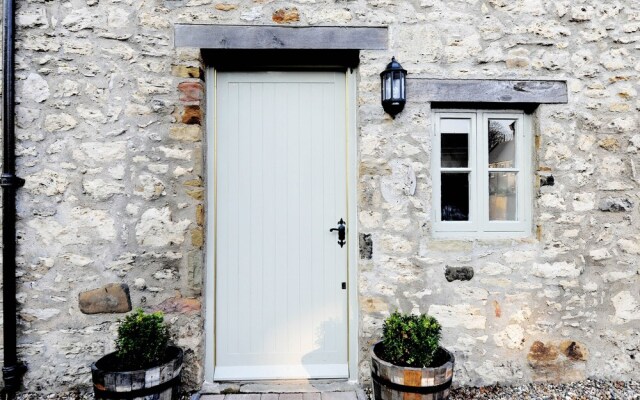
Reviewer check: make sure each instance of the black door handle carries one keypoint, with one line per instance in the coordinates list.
(342, 230)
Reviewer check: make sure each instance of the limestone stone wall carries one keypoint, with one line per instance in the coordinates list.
(111, 143)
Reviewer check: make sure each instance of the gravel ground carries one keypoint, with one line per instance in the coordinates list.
(585, 390)
(590, 389)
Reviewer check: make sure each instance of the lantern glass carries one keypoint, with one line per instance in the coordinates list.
(397, 82)
(386, 93)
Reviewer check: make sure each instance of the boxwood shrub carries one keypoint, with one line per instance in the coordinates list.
(142, 340)
(411, 340)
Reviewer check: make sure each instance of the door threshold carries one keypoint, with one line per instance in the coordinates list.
(281, 386)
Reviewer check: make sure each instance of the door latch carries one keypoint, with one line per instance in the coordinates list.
(342, 229)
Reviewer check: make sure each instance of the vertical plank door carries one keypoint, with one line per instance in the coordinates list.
(281, 310)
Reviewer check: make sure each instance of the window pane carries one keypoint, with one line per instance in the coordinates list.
(455, 197)
(502, 143)
(454, 150)
(502, 196)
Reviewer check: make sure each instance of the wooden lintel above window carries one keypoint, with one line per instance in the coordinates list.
(487, 91)
(281, 37)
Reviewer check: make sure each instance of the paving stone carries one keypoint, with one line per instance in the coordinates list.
(311, 396)
(290, 396)
(339, 396)
(243, 396)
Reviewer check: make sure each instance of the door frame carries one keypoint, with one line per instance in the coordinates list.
(351, 160)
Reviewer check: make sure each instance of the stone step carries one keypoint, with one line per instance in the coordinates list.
(351, 395)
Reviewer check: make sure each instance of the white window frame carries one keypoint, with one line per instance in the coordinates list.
(478, 226)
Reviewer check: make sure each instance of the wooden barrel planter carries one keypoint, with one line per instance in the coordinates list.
(393, 382)
(157, 383)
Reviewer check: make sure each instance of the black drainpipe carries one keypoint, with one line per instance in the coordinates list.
(13, 370)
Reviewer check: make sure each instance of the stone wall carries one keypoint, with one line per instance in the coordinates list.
(562, 304)
(110, 129)
(110, 143)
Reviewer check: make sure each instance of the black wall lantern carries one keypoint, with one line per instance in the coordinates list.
(393, 80)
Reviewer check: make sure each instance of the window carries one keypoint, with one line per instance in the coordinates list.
(482, 174)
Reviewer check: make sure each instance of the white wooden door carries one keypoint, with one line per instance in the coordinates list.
(281, 310)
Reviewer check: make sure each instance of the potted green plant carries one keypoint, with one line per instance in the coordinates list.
(143, 366)
(409, 362)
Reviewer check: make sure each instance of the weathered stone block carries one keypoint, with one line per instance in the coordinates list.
(38, 43)
(156, 228)
(251, 14)
(44, 314)
(200, 215)
(583, 201)
(59, 122)
(100, 189)
(574, 350)
(197, 237)
(458, 273)
(184, 71)
(627, 307)
(154, 85)
(615, 204)
(512, 337)
(450, 246)
(25, 116)
(47, 182)
(197, 194)
(111, 298)
(630, 245)
(581, 13)
(557, 363)
(600, 254)
(539, 353)
(100, 152)
(286, 15)
(518, 58)
(149, 187)
(118, 18)
(329, 16)
(192, 115)
(178, 304)
(176, 152)
(374, 305)
(391, 244)
(366, 246)
(191, 91)
(32, 18)
(35, 88)
(80, 19)
(561, 269)
(81, 47)
(458, 316)
(225, 7)
(194, 183)
(195, 265)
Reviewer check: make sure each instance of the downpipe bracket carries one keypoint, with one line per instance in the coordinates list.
(11, 181)
(12, 376)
